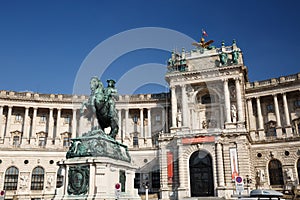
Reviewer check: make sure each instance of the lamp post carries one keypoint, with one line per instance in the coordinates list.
(146, 186)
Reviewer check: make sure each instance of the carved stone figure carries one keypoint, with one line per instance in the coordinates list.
(233, 113)
(260, 178)
(289, 175)
(102, 103)
(179, 119)
(23, 181)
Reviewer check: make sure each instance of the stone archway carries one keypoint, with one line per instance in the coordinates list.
(201, 174)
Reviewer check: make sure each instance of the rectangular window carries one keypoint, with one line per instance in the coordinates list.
(67, 119)
(43, 118)
(137, 180)
(156, 179)
(270, 108)
(16, 141)
(42, 141)
(157, 118)
(135, 141)
(18, 118)
(297, 103)
(66, 142)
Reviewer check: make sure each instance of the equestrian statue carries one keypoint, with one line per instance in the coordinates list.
(101, 102)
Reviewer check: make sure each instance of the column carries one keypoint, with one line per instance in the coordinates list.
(33, 128)
(277, 111)
(184, 106)
(174, 106)
(278, 127)
(50, 124)
(286, 110)
(259, 115)
(126, 123)
(8, 119)
(227, 101)
(239, 101)
(58, 122)
(25, 123)
(80, 125)
(288, 127)
(149, 123)
(220, 165)
(1, 120)
(74, 123)
(142, 121)
(121, 135)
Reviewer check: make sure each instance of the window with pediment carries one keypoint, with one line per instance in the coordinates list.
(296, 126)
(66, 138)
(42, 139)
(16, 138)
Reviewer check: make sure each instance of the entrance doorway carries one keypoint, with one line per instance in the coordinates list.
(201, 174)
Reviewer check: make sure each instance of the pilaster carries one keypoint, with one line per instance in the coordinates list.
(74, 123)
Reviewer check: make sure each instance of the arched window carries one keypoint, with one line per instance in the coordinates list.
(275, 172)
(37, 179)
(11, 179)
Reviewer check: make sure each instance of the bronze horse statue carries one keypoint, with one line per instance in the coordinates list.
(102, 103)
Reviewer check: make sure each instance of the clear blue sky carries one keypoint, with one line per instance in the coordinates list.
(43, 43)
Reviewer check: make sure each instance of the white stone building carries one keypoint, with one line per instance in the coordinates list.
(213, 125)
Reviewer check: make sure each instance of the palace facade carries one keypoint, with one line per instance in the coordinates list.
(214, 125)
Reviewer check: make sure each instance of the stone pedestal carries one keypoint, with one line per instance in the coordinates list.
(95, 164)
(95, 178)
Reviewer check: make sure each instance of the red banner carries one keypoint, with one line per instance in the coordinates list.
(170, 166)
(196, 140)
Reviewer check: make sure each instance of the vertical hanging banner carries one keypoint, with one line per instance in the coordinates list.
(233, 163)
(170, 166)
